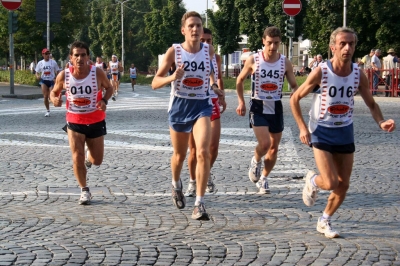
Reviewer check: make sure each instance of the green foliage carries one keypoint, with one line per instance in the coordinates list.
(163, 26)
(252, 21)
(20, 77)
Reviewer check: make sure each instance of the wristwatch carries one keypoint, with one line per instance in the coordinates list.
(105, 101)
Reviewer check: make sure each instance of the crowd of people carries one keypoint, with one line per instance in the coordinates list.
(193, 70)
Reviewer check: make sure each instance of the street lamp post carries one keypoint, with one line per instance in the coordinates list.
(122, 32)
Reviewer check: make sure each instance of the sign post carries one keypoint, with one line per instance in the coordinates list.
(291, 8)
(11, 5)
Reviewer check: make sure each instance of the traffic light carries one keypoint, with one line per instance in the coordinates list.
(289, 28)
(12, 22)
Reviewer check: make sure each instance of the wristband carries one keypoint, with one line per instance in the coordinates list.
(105, 101)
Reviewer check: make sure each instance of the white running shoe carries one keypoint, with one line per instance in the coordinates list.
(254, 170)
(191, 190)
(309, 191)
(210, 185)
(85, 198)
(324, 227)
(263, 186)
(47, 114)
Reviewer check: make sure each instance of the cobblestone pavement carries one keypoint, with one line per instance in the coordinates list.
(132, 220)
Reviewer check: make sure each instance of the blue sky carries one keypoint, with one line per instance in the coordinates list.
(199, 6)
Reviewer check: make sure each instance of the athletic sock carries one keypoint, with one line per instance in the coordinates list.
(262, 178)
(192, 181)
(84, 189)
(176, 184)
(313, 181)
(325, 216)
(254, 160)
(199, 199)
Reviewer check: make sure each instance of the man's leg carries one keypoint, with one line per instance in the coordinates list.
(272, 154)
(77, 146)
(201, 135)
(96, 150)
(263, 145)
(179, 142)
(214, 145)
(215, 137)
(335, 171)
(46, 94)
(192, 162)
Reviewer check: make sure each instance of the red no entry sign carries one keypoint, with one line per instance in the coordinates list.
(291, 7)
(11, 4)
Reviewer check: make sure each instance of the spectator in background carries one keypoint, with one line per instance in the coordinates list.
(376, 67)
(318, 61)
(389, 63)
(32, 67)
(365, 62)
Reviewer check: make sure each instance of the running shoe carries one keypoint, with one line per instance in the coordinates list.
(324, 227)
(87, 162)
(309, 191)
(178, 198)
(254, 171)
(85, 198)
(263, 186)
(47, 114)
(199, 213)
(210, 185)
(191, 190)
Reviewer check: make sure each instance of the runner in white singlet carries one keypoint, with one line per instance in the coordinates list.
(330, 130)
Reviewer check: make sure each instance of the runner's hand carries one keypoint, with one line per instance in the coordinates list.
(389, 125)
(241, 109)
(57, 101)
(179, 72)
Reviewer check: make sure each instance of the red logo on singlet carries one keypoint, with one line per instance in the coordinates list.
(193, 82)
(338, 109)
(269, 87)
(81, 101)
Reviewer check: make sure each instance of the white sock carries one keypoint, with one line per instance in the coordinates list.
(254, 160)
(325, 216)
(199, 199)
(176, 184)
(313, 181)
(263, 178)
(193, 181)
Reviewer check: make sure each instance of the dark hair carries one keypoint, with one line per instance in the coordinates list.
(272, 32)
(79, 44)
(188, 15)
(207, 31)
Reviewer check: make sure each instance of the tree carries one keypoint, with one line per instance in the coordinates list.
(252, 21)
(225, 24)
(162, 26)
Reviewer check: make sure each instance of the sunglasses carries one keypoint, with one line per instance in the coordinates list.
(46, 53)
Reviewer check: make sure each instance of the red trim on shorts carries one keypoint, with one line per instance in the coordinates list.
(216, 111)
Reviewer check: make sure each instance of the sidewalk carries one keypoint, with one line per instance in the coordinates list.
(20, 91)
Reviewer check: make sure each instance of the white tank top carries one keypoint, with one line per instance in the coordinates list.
(215, 66)
(81, 93)
(132, 71)
(195, 83)
(47, 68)
(333, 107)
(113, 67)
(267, 80)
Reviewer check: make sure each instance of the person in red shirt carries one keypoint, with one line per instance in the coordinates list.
(86, 108)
